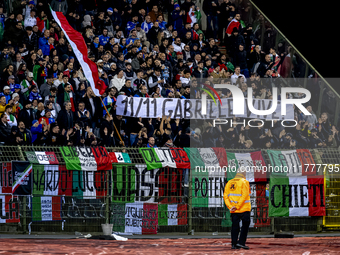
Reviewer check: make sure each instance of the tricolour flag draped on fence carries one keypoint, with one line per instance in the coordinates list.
(165, 157)
(79, 47)
(43, 158)
(119, 157)
(47, 192)
(51, 180)
(292, 162)
(296, 196)
(207, 176)
(21, 175)
(172, 214)
(136, 218)
(252, 162)
(86, 158)
(46, 208)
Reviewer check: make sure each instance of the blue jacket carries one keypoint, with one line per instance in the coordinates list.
(34, 96)
(44, 46)
(35, 131)
(8, 97)
(177, 20)
(162, 25)
(146, 26)
(131, 39)
(131, 25)
(103, 40)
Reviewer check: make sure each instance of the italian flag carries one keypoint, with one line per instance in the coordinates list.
(172, 214)
(48, 191)
(86, 158)
(46, 208)
(42, 25)
(165, 157)
(42, 158)
(296, 196)
(136, 218)
(193, 16)
(233, 23)
(119, 157)
(206, 157)
(292, 162)
(252, 162)
(207, 176)
(80, 50)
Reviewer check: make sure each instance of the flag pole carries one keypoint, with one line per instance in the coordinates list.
(120, 138)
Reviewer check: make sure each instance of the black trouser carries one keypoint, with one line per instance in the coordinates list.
(235, 228)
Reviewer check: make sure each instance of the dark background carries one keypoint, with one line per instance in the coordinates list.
(312, 26)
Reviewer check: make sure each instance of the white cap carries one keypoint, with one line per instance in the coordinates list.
(14, 95)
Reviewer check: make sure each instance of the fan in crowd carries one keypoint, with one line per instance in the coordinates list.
(142, 48)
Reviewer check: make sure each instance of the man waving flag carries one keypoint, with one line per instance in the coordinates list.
(235, 22)
(80, 50)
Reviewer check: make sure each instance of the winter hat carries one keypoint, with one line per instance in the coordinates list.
(176, 5)
(34, 121)
(64, 57)
(197, 131)
(14, 95)
(17, 86)
(109, 9)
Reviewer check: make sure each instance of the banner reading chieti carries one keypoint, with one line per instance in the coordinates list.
(146, 107)
(296, 196)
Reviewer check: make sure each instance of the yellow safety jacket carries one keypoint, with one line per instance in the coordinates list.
(237, 193)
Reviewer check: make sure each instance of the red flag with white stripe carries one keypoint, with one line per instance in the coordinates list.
(80, 50)
(232, 24)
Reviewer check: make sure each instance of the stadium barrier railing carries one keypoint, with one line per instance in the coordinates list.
(178, 211)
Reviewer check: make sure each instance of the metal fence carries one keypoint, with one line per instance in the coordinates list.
(160, 200)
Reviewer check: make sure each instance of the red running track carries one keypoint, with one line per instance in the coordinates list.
(299, 245)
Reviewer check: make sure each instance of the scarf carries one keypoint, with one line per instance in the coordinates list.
(69, 97)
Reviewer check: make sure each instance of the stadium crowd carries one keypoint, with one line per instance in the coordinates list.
(143, 48)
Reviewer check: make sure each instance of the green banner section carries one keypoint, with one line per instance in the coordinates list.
(72, 162)
(123, 182)
(151, 158)
(281, 205)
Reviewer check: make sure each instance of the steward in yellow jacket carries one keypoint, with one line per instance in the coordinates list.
(237, 198)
